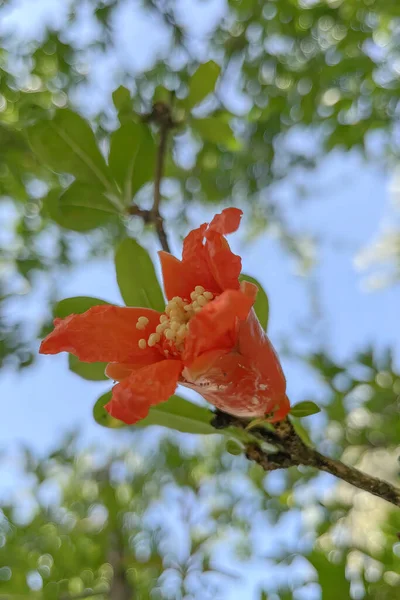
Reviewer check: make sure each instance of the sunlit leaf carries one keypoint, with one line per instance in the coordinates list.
(90, 371)
(136, 276)
(202, 83)
(215, 130)
(304, 409)
(131, 157)
(122, 98)
(75, 305)
(102, 417)
(66, 144)
(261, 305)
(145, 160)
(69, 210)
(234, 448)
(176, 413)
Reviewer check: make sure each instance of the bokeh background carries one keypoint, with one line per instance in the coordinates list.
(304, 138)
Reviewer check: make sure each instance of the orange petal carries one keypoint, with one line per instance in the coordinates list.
(177, 276)
(282, 408)
(232, 383)
(132, 399)
(254, 343)
(215, 326)
(227, 221)
(223, 263)
(195, 256)
(103, 333)
(120, 371)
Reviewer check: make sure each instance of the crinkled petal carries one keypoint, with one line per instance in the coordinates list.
(177, 276)
(133, 397)
(254, 343)
(227, 221)
(224, 265)
(103, 333)
(120, 371)
(232, 383)
(215, 326)
(195, 256)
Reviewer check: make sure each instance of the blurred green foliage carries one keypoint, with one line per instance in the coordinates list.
(91, 523)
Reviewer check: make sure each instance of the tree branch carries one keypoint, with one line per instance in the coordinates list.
(155, 211)
(292, 451)
(161, 116)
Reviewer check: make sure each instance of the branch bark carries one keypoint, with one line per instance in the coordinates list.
(292, 451)
(161, 116)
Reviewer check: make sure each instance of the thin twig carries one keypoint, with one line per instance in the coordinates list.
(161, 116)
(160, 162)
(293, 452)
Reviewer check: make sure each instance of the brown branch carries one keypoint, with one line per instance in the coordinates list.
(160, 162)
(292, 451)
(161, 116)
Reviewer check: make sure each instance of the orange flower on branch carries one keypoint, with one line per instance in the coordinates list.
(208, 338)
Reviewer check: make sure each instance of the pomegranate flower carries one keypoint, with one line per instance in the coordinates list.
(207, 339)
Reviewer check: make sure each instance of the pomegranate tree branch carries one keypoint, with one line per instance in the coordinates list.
(160, 115)
(292, 451)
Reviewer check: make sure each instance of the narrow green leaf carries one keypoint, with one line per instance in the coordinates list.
(215, 130)
(75, 305)
(122, 98)
(232, 447)
(66, 144)
(302, 431)
(176, 413)
(180, 414)
(136, 276)
(102, 417)
(261, 305)
(161, 94)
(69, 210)
(202, 83)
(90, 371)
(144, 167)
(304, 409)
(125, 143)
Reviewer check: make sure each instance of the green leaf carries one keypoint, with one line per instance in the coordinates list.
(261, 305)
(75, 305)
(233, 448)
(83, 195)
(215, 130)
(102, 417)
(136, 276)
(180, 414)
(304, 409)
(66, 144)
(176, 413)
(161, 94)
(122, 99)
(125, 149)
(72, 209)
(145, 160)
(90, 371)
(302, 432)
(202, 83)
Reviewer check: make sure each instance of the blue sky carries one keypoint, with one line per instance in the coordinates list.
(346, 200)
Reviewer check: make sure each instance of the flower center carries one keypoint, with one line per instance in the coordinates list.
(170, 334)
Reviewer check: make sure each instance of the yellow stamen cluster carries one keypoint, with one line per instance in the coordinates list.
(174, 324)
